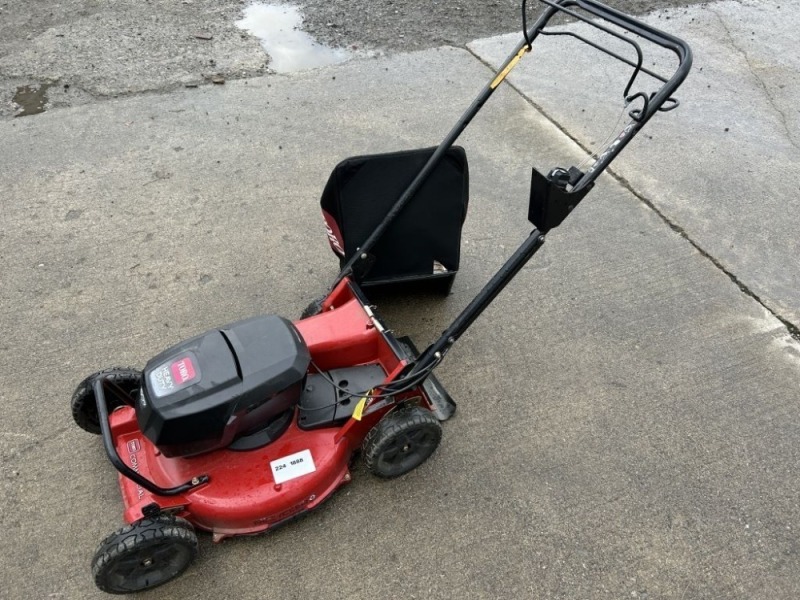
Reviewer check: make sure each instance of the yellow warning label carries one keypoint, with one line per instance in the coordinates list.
(359, 411)
(512, 63)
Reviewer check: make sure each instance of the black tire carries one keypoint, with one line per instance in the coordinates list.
(84, 407)
(144, 555)
(314, 308)
(401, 441)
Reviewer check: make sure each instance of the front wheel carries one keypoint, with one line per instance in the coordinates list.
(401, 441)
(84, 405)
(145, 554)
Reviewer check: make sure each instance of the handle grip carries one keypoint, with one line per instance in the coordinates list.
(661, 100)
(630, 24)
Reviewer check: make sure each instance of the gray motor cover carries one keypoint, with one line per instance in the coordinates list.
(203, 393)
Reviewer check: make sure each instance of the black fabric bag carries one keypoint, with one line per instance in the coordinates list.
(424, 242)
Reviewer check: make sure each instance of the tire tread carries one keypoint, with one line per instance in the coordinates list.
(395, 422)
(162, 527)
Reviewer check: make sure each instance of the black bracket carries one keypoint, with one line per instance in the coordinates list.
(151, 511)
(550, 202)
(362, 266)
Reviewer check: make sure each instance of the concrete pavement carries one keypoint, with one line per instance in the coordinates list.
(628, 415)
(728, 176)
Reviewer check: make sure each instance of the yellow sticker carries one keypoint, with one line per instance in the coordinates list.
(512, 63)
(359, 411)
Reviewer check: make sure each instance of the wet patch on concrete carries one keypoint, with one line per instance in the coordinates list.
(278, 27)
(21, 97)
(31, 99)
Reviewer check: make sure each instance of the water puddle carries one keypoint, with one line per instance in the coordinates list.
(278, 26)
(31, 99)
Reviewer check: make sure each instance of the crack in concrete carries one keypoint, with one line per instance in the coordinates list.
(770, 98)
(95, 97)
(793, 329)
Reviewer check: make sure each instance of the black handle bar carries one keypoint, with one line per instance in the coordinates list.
(648, 32)
(560, 191)
(661, 100)
(359, 263)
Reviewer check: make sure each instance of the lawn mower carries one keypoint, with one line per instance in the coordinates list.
(246, 427)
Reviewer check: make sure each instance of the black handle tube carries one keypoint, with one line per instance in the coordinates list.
(363, 252)
(484, 298)
(108, 442)
(438, 154)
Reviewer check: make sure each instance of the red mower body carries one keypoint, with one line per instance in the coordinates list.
(250, 491)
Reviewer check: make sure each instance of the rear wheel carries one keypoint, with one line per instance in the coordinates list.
(145, 554)
(401, 441)
(84, 406)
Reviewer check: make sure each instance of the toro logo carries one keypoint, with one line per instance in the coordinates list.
(133, 447)
(334, 235)
(182, 370)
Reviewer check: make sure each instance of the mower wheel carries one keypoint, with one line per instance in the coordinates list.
(144, 554)
(84, 407)
(314, 308)
(401, 441)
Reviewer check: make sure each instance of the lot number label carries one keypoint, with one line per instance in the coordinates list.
(292, 466)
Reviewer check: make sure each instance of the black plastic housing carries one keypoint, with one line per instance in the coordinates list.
(550, 203)
(422, 247)
(202, 394)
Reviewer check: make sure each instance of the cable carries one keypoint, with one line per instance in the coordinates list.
(414, 381)
(408, 382)
(592, 155)
(525, 25)
(313, 408)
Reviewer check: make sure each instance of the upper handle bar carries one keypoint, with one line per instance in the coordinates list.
(554, 196)
(629, 23)
(661, 100)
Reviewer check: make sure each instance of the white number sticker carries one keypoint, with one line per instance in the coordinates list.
(292, 466)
